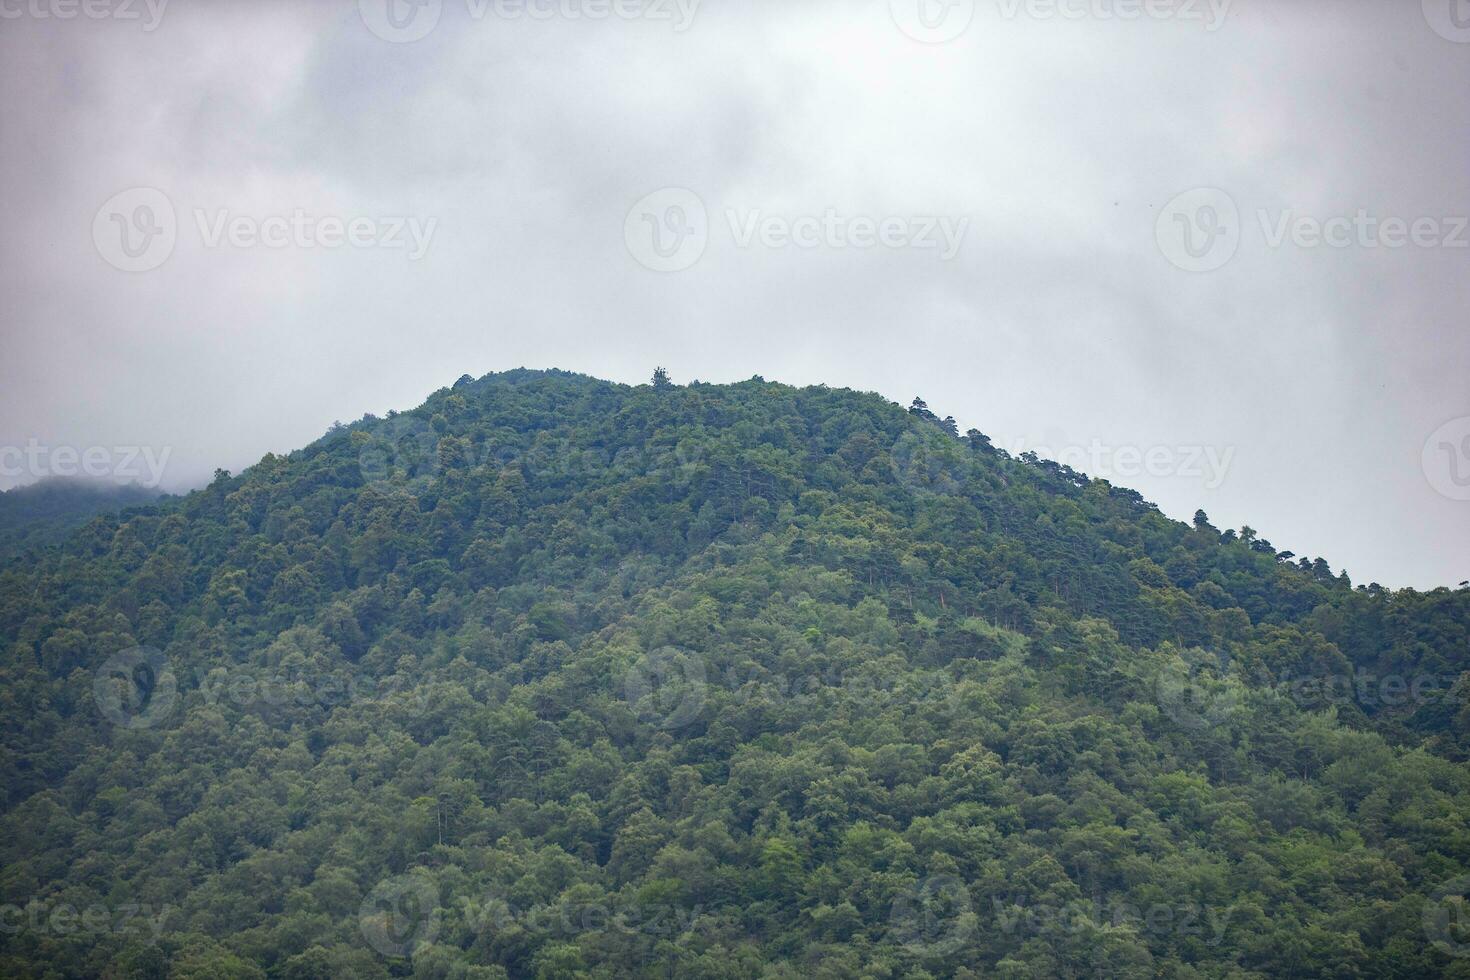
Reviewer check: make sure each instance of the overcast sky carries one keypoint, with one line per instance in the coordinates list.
(1105, 237)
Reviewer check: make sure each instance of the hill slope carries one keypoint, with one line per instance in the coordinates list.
(555, 677)
(44, 512)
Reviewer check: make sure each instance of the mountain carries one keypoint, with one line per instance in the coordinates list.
(44, 512)
(553, 677)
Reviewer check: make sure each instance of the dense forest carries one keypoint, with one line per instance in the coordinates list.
(553, 677)
(43, 512)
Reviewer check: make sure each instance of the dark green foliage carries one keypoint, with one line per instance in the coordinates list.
(42, 513)
(553, 677)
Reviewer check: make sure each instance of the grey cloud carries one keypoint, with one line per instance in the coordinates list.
(1057, 324)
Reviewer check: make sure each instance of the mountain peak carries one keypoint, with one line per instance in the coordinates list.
(798, 670)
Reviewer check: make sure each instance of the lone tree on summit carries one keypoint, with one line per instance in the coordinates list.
(661, 379)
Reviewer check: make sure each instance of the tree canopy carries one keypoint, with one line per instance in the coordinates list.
(553, 677)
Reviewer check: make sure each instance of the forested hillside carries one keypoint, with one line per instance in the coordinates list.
(44, 512)
(553, 677)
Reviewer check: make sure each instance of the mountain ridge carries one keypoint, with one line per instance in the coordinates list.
(784, 680)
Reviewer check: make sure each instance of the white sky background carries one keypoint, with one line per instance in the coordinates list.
(1317, 372)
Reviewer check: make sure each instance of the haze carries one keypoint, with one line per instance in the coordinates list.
(866, 195)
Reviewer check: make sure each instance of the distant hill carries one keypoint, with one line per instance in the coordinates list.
(552, 677)
(42, 513)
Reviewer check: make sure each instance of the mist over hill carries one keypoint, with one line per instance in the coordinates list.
(43, 512)
(554, 677)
